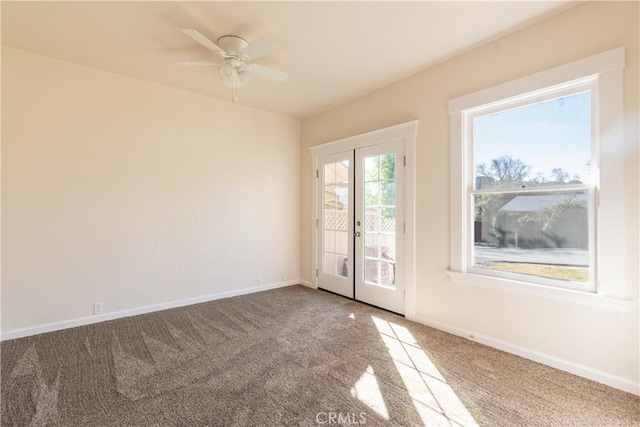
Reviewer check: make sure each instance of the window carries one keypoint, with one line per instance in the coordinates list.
(531, 188)
(532, 162)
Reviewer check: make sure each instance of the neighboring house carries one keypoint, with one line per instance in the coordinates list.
(538, 203)
(538, 221)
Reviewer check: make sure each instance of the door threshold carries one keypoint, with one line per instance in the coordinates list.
(362, 302)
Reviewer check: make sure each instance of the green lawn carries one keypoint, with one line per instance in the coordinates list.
(576, 274)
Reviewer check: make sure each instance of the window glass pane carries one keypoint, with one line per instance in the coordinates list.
(546, 143)
(541, 234)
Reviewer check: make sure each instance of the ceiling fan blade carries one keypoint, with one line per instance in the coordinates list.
(269, 73)
(198, 63)
(204, 41)
(258, 48)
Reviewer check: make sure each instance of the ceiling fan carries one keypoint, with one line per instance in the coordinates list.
(235, 51)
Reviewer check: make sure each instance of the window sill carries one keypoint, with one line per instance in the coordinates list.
(584, 299)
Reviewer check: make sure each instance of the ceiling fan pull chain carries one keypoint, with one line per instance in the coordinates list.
(234, 90)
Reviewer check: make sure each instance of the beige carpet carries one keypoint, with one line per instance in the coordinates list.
(292, 356)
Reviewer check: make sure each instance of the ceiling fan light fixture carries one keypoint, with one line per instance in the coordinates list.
(243, 77)
(232, 76)
(228, 74)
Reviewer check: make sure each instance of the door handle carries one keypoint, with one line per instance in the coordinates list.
(357, 234)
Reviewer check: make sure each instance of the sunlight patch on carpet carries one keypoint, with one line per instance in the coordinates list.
(434, 400)
(367, 391)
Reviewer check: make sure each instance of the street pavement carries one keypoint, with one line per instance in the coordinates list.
(572, 257)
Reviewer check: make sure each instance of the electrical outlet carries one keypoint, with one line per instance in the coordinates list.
(260, 281)
(98, 308)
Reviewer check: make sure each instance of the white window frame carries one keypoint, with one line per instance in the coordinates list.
(559, 91)
(602, 74)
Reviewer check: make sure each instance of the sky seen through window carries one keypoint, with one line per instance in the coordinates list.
(551, 134)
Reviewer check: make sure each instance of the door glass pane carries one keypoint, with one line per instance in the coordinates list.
(371, 271)
(342, 242)
(542, 234)
(372, 193)
(329, 265)
(372, 219)
(371, 170)
(343, 265)
(330, 240)
(372, 244)
(329, 218)
(388, 246)
(388, 193)
(379, 219)
(387, 273)
(336, 218)
(388, 166)
(388, 219)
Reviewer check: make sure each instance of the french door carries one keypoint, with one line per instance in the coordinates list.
(335, 218)
(360, 224)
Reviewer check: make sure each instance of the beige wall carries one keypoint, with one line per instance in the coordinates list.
(599, 341)
(134, 194)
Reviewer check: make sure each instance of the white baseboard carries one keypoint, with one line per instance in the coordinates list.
(308, 284)
(564, 365)
(574, 368)
(81, 321)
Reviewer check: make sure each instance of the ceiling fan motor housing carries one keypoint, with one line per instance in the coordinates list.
(233, 45)
(233, 73)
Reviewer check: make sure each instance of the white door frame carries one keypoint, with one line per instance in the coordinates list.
(407, 132)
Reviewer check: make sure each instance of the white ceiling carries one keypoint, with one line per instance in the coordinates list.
(333, 51)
